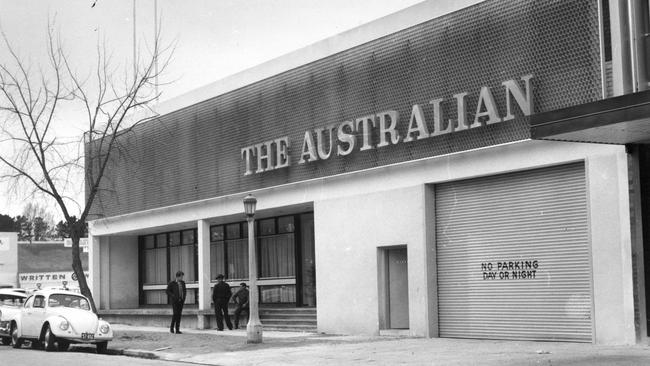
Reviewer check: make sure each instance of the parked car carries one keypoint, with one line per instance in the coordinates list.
(10, 303)
(57, 318)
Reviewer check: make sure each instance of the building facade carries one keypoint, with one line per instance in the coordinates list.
(8, 259)
(400, 186)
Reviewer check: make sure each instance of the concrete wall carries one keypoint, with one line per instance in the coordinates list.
(114, 270)
(9, 259)
(346, 263)
(358, 212)
(347, 266)
(123, 285)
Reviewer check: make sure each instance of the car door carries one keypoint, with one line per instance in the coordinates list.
(25, 313)
(33, 317)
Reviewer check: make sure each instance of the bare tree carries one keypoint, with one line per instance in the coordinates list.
(33, 107)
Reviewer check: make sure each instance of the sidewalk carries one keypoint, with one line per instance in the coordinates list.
(210, 347)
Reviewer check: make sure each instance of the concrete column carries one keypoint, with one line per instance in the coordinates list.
(430, 265)
(204, 271)
(104, 276)
(94, 268)
(613, 287)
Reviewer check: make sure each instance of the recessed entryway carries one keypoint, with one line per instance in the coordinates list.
(393, 288)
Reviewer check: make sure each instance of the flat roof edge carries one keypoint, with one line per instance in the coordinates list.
(601, 113)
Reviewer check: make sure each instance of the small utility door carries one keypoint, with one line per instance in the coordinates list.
(398, 289)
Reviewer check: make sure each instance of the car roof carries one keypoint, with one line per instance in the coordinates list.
(11, 291)
(48, 292)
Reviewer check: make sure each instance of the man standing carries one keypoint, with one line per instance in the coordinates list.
(220, 297)
(176, 293)
(241, 299)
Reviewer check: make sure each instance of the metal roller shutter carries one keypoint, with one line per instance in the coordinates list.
(513, 256)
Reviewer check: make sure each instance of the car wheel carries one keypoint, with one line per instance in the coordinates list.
(15, 341)
(63, 345)
(102, 347)
(6, 340)
(49, 339)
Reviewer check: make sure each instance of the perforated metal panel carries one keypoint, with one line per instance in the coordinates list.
(513, 256)
(195, 153)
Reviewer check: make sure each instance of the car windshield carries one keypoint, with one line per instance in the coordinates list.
(68, 301)
(11, 300)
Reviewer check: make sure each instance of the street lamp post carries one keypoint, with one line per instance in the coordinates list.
(254, 326)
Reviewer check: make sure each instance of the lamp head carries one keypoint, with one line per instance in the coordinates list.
(249, 205)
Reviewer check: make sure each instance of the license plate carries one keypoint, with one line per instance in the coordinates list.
(87, 336)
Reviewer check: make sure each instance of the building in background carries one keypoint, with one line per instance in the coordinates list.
(48, 264)
(476, 174)
(38, 264)
(8, 259)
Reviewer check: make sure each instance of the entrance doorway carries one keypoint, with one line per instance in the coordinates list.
(394, 297)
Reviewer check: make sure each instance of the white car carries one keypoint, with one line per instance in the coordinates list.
(10, 303)
(57, 318)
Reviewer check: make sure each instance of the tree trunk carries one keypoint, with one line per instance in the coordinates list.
(76, 230)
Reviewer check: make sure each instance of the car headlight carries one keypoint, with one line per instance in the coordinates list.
(64, 325)
(104, 328)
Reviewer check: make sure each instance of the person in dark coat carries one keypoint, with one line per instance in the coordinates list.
(176, 292)
(241, 299)
(220, 297)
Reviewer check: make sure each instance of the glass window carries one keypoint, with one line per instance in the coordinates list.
(68, 301)
(277, 256)
(233, 231)
(155, 266)
(237, 259)
(155, 297)
(149, 242)
(217, 259)
(181, 258)
(216, 233)
(308, 260)
(39, 301)
(189, 237)
(172, 252)
(285, 225)
(229, 257)
(175, 238)
(161, 240)
(278, 293)
(11, 300)
(267, 227)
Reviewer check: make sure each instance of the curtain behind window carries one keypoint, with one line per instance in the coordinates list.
(277, 256)
(155, 266)
(217, 259)
(237, 258)
(182, 258)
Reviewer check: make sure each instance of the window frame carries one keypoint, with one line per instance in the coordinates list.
(162, 240)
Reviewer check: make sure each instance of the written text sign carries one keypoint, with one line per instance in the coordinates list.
(510, 270)
(346, 137)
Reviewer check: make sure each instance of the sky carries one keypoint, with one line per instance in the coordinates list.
(213, 38)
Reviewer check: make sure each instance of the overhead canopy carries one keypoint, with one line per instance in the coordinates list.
(620, 120)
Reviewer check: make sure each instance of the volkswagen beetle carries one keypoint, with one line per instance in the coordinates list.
(57, 318)
(10, 303)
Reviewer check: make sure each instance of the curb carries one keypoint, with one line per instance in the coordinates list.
(137, 353)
